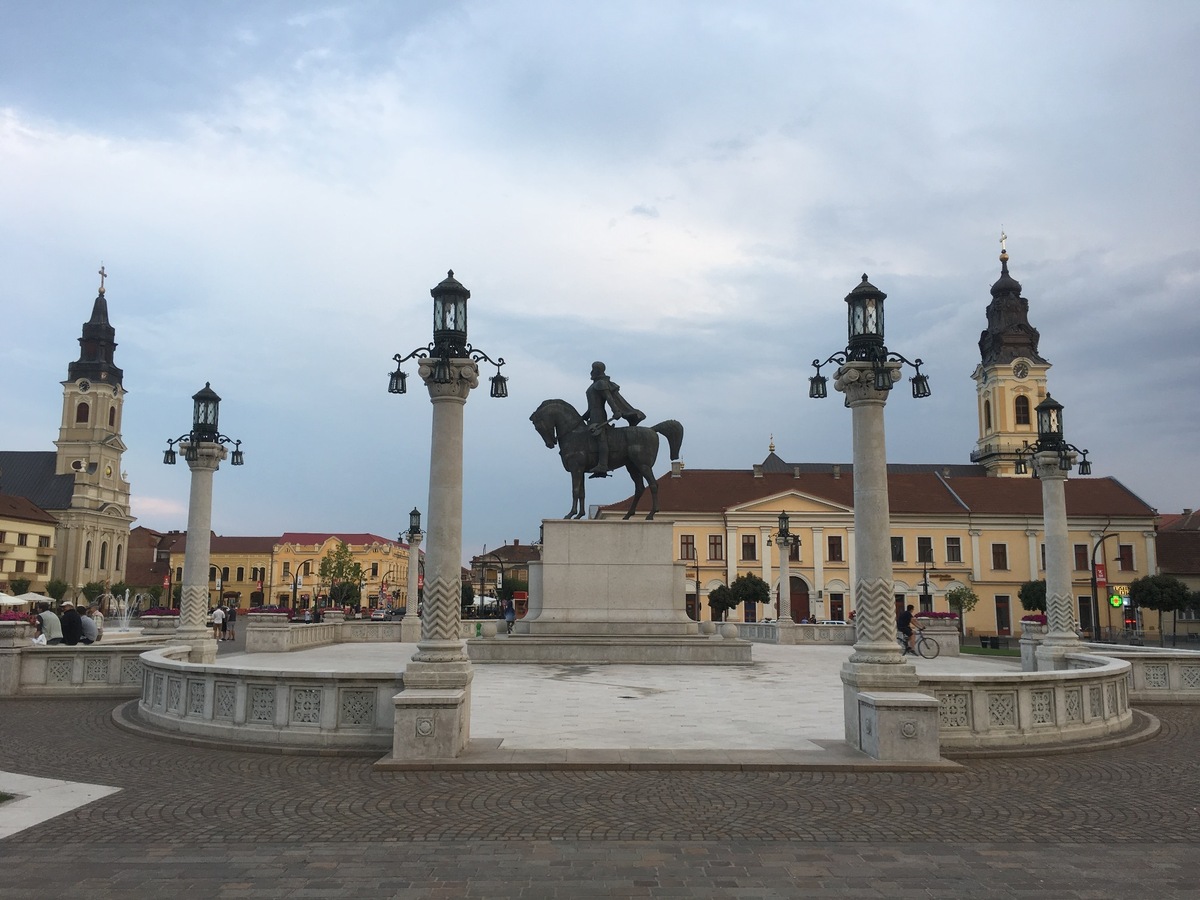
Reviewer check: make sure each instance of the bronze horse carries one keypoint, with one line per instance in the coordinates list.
(634, 447)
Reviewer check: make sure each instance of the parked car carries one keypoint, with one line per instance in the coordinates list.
(833, 622)
(378, 615)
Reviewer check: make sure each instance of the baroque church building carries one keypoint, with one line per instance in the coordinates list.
(81, 483)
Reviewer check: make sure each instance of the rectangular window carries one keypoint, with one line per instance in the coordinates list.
(1000, 556)
(1043, 557)
(837, 607)
(43, 540)
(925, 549)
(716, 546)
(43, 568)
(1081, 558)
(374, 570)
(3, 535)
(897, 549)
(1125, 557)
(687, 546)
(953, 550)
(307, 567)
(835, 548)
(749, 547)
(20, 566)
(22, 540)
(794, 551)
(241, 573)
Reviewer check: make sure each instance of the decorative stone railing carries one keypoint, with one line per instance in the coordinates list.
(791, 633)
(1027, 709)
(350, 711)
(1158, 675)
(84, 670)
(273, 633)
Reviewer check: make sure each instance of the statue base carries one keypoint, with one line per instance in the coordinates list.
(608, 591)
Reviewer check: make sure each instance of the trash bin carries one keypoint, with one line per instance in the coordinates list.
(993, 643)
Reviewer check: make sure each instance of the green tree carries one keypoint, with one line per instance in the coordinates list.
(467, 599)
(1164, 593)
(1033, 595)
(155, 594)
(119, 589)
(749, 588)
(962, 600)
(19, 585)
(343, 575)
(720, 601)
(57, 588)
(92, 590)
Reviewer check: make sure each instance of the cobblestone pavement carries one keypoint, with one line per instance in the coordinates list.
(211, 823)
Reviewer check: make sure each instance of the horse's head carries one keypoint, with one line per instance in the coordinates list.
(545, 426)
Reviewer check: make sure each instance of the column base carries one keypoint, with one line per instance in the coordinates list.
(874, 678)
(1051, 655)
(900, 726)
(203, 644)
(431, 724)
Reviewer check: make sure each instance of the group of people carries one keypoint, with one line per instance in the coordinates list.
(68, 626)
(224, 618)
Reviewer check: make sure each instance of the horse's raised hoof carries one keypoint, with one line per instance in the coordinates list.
(650, 517)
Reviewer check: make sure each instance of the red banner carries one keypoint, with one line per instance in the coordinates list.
(1101, 577)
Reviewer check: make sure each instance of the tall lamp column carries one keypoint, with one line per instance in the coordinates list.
(866, 372)
(1052, 459)
(433, 713)
(785, 541)
(203, 449)
(414, 558)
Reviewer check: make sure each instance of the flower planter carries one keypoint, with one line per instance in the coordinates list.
(158, 624)
(1032, 634)
(16, 634)
(942, 630)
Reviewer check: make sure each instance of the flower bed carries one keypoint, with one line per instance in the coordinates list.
(158, 611)
(1035, 618)
(937, 615)
(13, 616)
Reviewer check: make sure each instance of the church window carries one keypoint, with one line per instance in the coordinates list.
(87, 555)
(82, 412)
(1021, 410)
(112, 417)
(118, 565)
(987, 414)
(103, 554)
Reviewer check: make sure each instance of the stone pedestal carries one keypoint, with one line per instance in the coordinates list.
(16, 634)
(1061, 637)
(431, 724)
(607, 591)
(944, 631)
(899, 727)
(1032, 635)
(193, 629)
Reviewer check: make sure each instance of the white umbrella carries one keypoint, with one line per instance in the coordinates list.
(10, 600)
(33, 597)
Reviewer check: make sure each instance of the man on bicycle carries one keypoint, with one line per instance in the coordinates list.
(904, 622)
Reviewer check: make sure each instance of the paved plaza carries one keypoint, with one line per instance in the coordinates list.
(184, 822)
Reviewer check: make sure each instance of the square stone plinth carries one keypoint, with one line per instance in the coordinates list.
(901, 727)
(431, 724)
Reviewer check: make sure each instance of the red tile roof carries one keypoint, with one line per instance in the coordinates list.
(910, 493)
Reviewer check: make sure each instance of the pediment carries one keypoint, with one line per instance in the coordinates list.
(790, 502)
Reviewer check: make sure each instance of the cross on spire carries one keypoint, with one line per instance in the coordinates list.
(103, 275)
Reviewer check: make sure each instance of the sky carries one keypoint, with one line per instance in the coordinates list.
(684, 190)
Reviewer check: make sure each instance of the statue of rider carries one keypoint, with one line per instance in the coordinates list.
(603, 395)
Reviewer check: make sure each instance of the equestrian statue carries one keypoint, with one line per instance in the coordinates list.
(590, 444)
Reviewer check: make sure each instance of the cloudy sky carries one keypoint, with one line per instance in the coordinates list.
(685, 190)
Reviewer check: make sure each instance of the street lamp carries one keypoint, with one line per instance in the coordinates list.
(433, 716)
(203, 448)
(298, 576)
(414, 535)
(865, 374)
(1052, 458)
(1095, 598)
(784, 538)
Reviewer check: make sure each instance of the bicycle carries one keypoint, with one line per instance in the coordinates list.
(927, 647)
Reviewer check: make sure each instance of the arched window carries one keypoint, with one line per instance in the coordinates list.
(103, 555)
(178, 573)
(241, 573)
(112, 417)
(118, 565)
(987, 415)
(225, 574)
(87, 555)
(82, 411)
(1021, 410)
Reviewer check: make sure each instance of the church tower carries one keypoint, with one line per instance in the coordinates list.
(1010, 380)
(93, 532)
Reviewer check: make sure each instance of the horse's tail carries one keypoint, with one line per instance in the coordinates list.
(673, 432)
